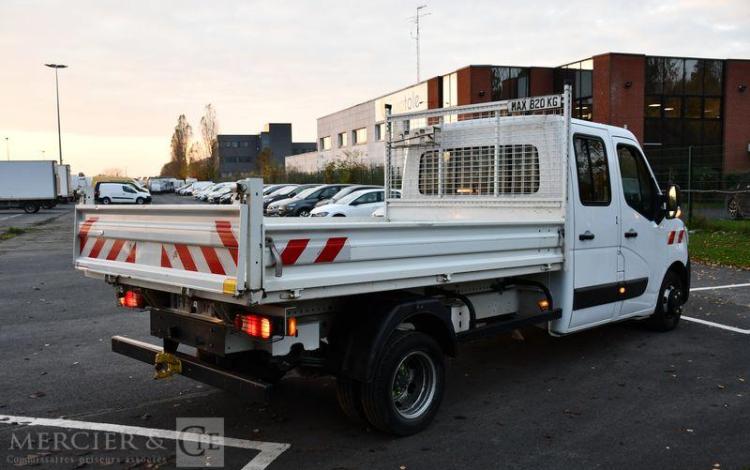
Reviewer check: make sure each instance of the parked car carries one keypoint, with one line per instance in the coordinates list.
(738, 204)
(107, 192)
(202, 194)
(301, 205)
(195, 187)
(356, 204)
(287, 192)
(224, 189)
(345, 192)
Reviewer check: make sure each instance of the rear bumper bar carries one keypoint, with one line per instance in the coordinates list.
(194, 368)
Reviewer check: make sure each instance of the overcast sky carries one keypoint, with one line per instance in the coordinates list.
(136, 65)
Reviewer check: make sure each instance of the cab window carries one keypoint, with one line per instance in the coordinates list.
(128, 189)
(637, 184)
(593, 171)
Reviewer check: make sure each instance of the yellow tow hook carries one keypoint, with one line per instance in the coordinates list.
(166, 365)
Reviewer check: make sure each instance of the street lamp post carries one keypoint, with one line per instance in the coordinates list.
(57, 95)
(7, 149)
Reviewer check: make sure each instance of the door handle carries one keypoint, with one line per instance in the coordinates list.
(587, 235)
(631, 233)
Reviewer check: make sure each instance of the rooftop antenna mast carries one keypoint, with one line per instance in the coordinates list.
(415, 19)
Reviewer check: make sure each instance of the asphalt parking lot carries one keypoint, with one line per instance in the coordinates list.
(613, 397)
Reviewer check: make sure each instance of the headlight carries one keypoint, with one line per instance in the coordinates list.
(320, 214)
(290, 206)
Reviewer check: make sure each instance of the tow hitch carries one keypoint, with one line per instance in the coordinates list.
(166, 365)
(176, 362)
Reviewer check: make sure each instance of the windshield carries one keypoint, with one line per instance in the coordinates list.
(307, 192)
(352, 196)
(282, 191)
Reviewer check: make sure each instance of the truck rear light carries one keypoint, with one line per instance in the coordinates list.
(132, 299)
(253, 325)
(291, 327)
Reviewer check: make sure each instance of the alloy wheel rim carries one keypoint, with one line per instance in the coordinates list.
(413, 385)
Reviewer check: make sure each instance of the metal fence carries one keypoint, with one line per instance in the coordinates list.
(708, 190)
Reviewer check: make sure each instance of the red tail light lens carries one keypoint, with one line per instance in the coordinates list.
(132, 299)
(253, 325)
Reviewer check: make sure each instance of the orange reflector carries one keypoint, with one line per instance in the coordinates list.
(291, 327)
(253, 325)
(132, 299)
(621, 290)
(543, 305)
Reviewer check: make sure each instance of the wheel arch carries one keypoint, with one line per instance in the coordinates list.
(683, 271)
(359, 344)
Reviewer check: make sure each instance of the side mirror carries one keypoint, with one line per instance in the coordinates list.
(672, 201)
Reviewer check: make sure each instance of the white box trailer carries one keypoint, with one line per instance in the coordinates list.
(511, 214)
(64, 183)
(28, 184)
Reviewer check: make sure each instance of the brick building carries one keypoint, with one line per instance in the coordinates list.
(675, 106)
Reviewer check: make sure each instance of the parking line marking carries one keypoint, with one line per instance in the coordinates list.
(728, 286)
(11, 216)
(717, 325)
(269, 451)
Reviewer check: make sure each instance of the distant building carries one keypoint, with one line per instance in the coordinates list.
(673, 105)
(238, 153)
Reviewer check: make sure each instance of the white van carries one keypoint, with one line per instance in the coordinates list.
(120, 193)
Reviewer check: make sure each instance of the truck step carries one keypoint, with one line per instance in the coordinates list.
(509, 323)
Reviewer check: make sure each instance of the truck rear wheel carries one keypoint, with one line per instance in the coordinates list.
(408, 384)
(668, 310)
(30, 207)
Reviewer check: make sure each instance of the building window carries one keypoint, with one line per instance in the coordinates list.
(245, 144)
(509, 82)
(580, 75)
(342, 140)
(380, 131)
(235, 144)
(359, 136)
(325, 143)
(683, 115)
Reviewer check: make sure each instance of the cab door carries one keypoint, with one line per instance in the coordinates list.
(596, 236)
(642, 238)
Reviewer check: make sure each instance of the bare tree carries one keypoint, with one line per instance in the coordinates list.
(114, 172)
(181, 136)
(209, 133)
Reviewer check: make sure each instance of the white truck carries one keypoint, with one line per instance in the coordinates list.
(511, 214)
(28, 185)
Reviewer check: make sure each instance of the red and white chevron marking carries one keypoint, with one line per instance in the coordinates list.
(302, 251)
(197, 258)
(675, 237)
(203, 259)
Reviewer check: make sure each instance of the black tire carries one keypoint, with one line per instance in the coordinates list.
(48, 205)
(106, 200)
(668, 310)
(733, 209)
(406, 356)
(339, 215)
(303, 213)
(30, 207)
(140, 201)
(349, 396)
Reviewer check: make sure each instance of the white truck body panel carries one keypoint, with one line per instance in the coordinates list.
(28, 180)
(64, 182)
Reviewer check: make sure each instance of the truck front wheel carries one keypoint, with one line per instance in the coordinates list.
(407, 386)
(668, 310)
